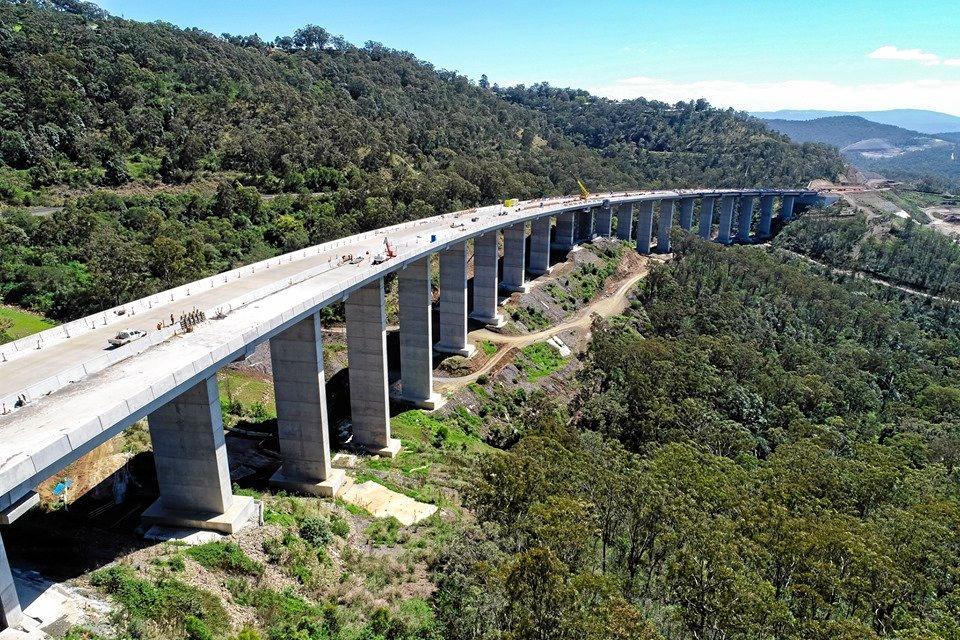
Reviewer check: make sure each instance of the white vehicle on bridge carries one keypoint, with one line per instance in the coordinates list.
(126, 336)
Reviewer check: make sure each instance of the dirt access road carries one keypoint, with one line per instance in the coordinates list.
(608, 305)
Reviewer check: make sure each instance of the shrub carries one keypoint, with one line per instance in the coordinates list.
(339, 526)
(225, 556)
(315, 530)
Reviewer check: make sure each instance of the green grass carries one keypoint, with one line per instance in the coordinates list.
(539, 361)
(420, 429)
(22, 323)
(247, 390)
(225, 556)
(487, 347)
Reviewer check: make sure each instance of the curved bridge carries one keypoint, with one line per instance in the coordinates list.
(63, 392)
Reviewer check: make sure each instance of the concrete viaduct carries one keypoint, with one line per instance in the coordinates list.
(63, 393)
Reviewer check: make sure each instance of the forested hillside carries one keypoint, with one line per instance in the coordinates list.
(841, 131)
(754, 452)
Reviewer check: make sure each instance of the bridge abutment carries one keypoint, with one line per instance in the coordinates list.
(367, 370)
(706, 216)
(486, 255)
(625, 221)
(190, 453)
(452, 307)
(296, 357)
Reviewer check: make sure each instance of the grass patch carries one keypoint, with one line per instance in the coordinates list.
(384, 532)
(21, 323)
(186, 611)
(539, 361)
(488, 347)
(246, 395)
(531, 318)
(225, 556)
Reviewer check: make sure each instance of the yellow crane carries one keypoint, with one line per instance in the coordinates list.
(584, 194)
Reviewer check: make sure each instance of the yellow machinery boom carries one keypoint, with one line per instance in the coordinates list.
(584, 194)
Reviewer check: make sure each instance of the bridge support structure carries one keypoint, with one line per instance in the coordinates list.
(664, 225)
(625, 221)
(515, 258)
(452, 307)
(296, 357)
(644, 226)
(584, 227)
(706, 216)
(486, 256)
(686, 213)
(565, 231)
(766, 216)
(367, 370)
(726, 219)
(786, 207)
(539, 246)
(10, 612)
(190, 453)
(604, 221)
(416, 336)
(745, 219)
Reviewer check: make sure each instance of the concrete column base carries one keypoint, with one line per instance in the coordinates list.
(513, 288)
(389, 451)
(492, 322)
(241, 511)
(327, 488)
(466, 352)
(434, 402)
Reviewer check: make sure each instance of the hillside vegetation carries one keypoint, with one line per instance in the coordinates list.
(189, 128)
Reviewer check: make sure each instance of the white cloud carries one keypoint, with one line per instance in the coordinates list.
(937, 95)
(890, 52)
(952, 62)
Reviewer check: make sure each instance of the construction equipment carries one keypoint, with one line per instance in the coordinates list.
(584, 194)
(388, 248)
(510, 202)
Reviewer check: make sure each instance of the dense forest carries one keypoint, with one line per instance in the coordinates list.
(754, 451)
(906, 254)
(188, 129)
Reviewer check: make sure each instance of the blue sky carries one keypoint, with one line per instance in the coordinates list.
(757, 55)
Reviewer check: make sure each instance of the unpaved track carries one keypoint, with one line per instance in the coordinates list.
(607, 306)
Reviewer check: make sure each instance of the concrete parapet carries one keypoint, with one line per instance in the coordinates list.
(367, 369)
(296, 357)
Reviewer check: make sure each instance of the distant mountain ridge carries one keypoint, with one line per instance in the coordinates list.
(844, 131)
(923, 121)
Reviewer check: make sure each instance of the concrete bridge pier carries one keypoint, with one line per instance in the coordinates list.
(10, 611)
(539, 246)
(726, 219)
(416, 335)
(564, 238)
(625, 221)
(604, 221)
(686, 213)
(515, 258)
(706, 216)
(367, 370)
(786, 207)
(486, 255)
(190, 454)
(644, 226)
(296, 357)
(745, 219)
(766, 216)
(453, 302)
(664, 225)
(584, 231)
